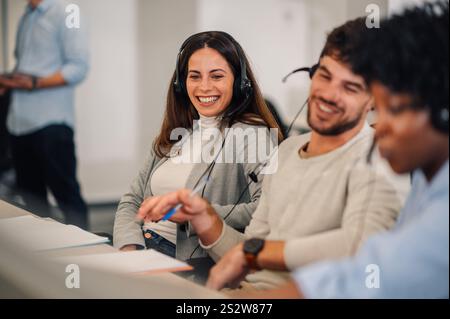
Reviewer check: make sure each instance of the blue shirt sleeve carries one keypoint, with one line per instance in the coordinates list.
(76, 54)
(412, 262)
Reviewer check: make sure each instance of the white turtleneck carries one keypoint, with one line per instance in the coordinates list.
(174, 173)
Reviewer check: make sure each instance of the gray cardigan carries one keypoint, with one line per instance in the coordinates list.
(227, 182)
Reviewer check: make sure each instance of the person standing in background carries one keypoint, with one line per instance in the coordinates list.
(52, 59)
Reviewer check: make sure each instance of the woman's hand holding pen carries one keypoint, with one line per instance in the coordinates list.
(194, 209)
(154, 208)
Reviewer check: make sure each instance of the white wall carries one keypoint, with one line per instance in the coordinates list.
(2, 64)
(275, 35)
(163, 27)
(120, 106)
(107, 102)
(15, 11)
(398, 5)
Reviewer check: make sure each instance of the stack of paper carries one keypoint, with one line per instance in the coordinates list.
(128, 262)
(38, 234)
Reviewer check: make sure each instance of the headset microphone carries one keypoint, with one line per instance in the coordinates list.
(311, 70)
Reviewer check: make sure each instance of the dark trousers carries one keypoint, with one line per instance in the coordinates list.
(46, 159)
(5, 160)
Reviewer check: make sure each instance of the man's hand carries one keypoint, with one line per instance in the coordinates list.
(16, 82)
(231, 269)
(22, 82)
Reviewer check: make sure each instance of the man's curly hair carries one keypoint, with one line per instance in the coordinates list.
(409, 54)
(342, 42)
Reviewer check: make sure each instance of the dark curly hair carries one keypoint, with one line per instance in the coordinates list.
(409, 54)
(342, 42)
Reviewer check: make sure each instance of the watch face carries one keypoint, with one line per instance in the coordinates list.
(253, 246)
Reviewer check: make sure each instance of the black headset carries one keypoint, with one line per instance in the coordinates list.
(311, 71)
(242, 88)
(439, 119)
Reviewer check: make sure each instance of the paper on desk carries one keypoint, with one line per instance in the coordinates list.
(37, 234)
(140, 261)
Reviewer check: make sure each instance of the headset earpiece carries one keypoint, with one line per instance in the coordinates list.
(243, 88)
(177, 83)
(313, 70)
(439, 119)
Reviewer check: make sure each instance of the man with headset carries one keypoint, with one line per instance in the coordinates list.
(324, 199)
(406, 63)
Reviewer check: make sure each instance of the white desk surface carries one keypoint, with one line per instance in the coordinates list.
(7, 211)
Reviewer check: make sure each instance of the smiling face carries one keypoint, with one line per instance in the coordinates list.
(405, 135)
(339, 99)
(209, 82)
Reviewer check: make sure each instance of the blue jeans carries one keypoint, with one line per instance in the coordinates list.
(159, 243)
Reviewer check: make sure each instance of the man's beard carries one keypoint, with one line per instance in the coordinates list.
(336, 129)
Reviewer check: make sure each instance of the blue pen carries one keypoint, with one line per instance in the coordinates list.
(172, 212)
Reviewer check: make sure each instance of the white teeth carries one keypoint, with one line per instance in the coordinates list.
(325, 109)
(208, 99)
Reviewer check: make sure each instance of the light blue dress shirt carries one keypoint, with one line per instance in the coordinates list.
(412, 258)
(44, 46)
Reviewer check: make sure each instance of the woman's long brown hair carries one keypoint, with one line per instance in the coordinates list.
(180, 111)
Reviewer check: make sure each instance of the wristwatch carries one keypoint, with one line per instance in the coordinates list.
(252, 248)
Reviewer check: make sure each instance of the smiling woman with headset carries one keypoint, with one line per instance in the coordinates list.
(213, 88)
